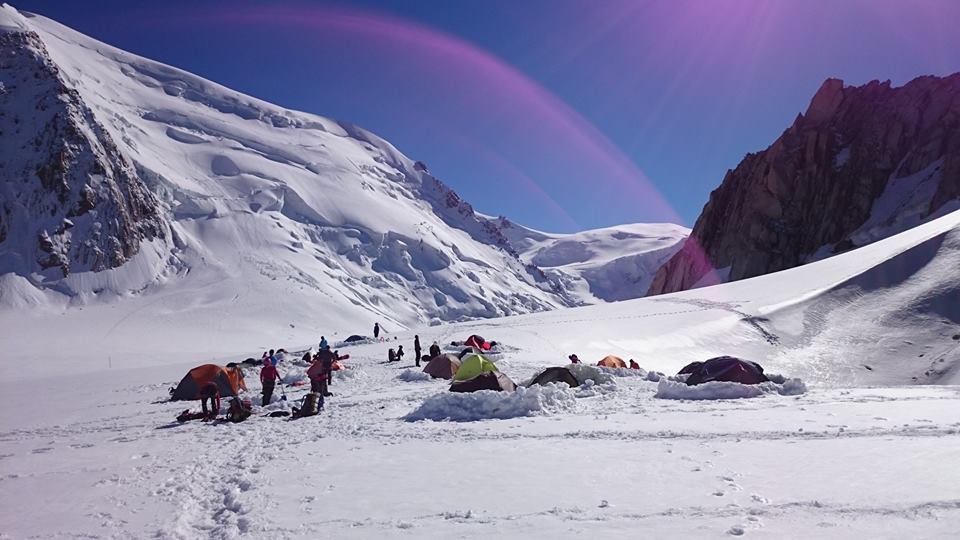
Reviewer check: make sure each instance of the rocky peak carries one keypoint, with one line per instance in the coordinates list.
(862, 163)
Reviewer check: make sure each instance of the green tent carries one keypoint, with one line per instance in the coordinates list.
(473, 365)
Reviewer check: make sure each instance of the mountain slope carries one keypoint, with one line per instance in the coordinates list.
(210, 203)
(611, 264)
(861, 164)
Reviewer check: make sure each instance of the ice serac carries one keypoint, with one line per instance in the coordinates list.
(862, 163)
(71, 201)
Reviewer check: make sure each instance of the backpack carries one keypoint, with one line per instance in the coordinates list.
(391, 355)
(240, 410)
(310, 405)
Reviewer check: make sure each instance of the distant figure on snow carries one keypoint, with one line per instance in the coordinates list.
(376, 330)
(212, 393)
(399, 353)
(273, 357)
(323, 343)
(633, 364)
(416, 349)
(574, 359)
(268, 378)
(434, 350)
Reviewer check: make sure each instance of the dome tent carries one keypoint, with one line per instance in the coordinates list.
(473, 365)
(229, 382)
(728, 369)
(555, 374)
(442, 366)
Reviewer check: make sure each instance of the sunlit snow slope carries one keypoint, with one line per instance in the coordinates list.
(266, 221)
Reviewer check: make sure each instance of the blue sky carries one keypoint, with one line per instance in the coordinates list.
(561, 115)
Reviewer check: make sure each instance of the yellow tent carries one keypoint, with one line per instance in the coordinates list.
(473, 365)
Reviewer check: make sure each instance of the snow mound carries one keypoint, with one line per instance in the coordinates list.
(413, 375)
(728, 390)
(585, 373)
(489, 404)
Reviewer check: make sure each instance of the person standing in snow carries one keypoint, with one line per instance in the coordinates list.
(268, 378)
(434, 350)
(633, 364)
(399, 353)
(325, 357)
(416, 349)
(323, 343)
(273, 357)
(574, 359)
(212, 393)
(376, 330)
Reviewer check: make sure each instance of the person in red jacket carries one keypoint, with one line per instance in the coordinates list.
(633, 364)
(268, 378)
(211, 392)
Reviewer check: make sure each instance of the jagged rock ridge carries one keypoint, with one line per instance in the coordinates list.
(860, 164)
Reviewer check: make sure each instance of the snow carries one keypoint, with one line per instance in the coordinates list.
(89, 446)
(610, 264)
(266, 203)
(488, 404)
(727, 390)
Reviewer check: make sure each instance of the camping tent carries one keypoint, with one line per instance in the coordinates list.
(490, 380)
(469, 350)
(229, 381)
(555, 374)
(473, 365)
(728, 368)
(477, 342)
(612, 362)
(690, 368)
(442, 366)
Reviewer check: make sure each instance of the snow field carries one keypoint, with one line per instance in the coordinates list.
(104, 453)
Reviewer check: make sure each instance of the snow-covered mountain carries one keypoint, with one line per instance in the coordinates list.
(126, 181)
(862, 163)
(616, 263)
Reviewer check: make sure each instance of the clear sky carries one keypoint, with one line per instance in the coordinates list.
(560, 114)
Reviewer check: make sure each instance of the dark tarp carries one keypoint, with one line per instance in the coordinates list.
(730, 369)
(490, 380)
(555, 374)
(353, 338)
(690, 368)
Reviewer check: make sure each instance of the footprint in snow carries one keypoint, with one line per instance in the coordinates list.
(736, 530)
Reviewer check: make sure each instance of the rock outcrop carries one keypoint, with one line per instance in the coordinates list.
(861, 163)
(70, 200)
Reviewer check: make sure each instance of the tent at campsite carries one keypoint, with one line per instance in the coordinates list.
(469, 350)
(730, 369)
(555, 374)
(489, 380)
(690, 368)
(473, 365)
(477, 342)
(442, 366)
(229, 381)
(612, 361)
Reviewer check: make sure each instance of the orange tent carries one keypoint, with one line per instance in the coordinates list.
(612, 361)
(228, 380)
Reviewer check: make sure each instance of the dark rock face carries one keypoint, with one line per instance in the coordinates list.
(68, 198)
(818, 182)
